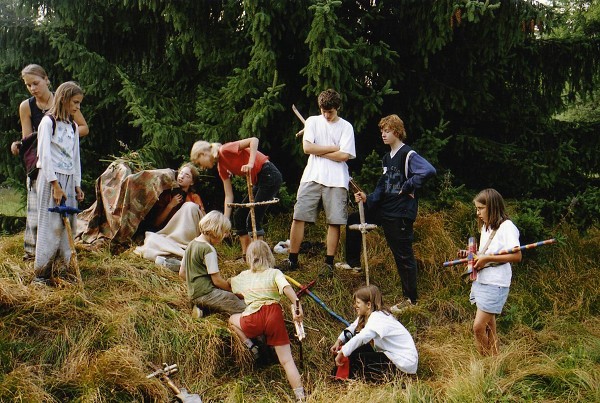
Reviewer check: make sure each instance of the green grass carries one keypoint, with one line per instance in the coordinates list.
(12, 203)
(62, 344)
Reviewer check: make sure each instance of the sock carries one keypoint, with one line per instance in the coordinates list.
(329, 260)
(293, 257)
(248, 343)
(299, 392)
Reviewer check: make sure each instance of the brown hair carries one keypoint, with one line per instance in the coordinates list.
(193, 171)
(496, 210)
(62, 97)
(329, 99)
(372, 294)
(395, 124)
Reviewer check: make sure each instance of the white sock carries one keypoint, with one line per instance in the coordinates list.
(299, 392)
(248, 343)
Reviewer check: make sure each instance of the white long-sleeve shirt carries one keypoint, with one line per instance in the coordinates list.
(58, 150)
(389, 336)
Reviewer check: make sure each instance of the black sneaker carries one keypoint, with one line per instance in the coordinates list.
(288, 265)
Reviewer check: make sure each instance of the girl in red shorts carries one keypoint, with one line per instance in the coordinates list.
(262, 288)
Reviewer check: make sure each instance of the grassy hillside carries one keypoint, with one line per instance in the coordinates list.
(59, 345)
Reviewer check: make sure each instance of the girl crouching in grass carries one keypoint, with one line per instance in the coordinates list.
(262, 288)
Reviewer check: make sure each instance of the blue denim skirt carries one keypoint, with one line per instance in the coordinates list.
(489, 298)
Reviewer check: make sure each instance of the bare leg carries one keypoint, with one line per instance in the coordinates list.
(333, 239)
(284, 354)
(234, 324)
(296, 235)
(245, 240)
(484, 330)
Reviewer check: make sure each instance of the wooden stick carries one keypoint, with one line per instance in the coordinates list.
(299, 115)
(73, 252)
(251, 207)
(361, 212)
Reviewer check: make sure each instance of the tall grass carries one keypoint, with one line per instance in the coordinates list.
(59, 345)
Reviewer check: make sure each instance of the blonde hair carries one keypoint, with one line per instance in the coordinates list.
(62, 97)
(202, 147)
(259, 256)
(395, 124)
(215, 225)
(34, 69)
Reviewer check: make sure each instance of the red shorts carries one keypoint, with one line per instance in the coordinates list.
(268, 321)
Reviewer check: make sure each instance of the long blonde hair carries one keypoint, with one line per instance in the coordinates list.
(202, 147)
(259, 256)
(62, 97)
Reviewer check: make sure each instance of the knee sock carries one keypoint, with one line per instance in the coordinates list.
(329, 260)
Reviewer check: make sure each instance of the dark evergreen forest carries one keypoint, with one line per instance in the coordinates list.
(479, 84)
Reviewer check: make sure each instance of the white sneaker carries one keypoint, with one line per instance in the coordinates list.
(197, 312)
(346, 266)
(401, 307)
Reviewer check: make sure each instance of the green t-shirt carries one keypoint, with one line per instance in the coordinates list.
(200, 262)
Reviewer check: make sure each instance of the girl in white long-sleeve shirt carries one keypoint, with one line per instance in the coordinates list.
(380, 344)
(59, 178)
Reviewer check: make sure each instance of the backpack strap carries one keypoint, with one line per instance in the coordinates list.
(53, 119)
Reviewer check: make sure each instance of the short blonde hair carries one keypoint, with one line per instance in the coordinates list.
(215, 225)
(202, 147)
(259, 256)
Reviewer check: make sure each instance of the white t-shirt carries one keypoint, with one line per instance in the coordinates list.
(507, 237)
(58, 150)
(389, 336)
(318, 130)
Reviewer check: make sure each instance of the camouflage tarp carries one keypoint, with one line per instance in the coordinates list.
(122, 201)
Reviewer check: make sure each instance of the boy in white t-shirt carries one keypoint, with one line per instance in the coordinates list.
(329, 141)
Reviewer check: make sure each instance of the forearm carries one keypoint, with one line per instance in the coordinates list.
(317, 149)
(337, 156)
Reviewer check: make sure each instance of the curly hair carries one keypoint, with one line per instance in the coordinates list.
(329, 99)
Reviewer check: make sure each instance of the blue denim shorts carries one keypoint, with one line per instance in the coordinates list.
(488, 297)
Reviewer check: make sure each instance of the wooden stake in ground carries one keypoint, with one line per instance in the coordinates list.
(251, 204)
(363, 227)
(163, 374)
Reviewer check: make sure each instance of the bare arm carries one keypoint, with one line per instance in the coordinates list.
(25, 116)
(220, 282)
(316, 149)
(228, 197)
(252, 144)
(289, 292)
(338, 156)
(483, 260)
(162, 215)
(82, 124)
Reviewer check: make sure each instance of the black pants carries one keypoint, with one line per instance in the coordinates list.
(365, 363)
(399, 236)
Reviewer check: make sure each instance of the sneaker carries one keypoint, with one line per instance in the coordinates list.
(288, 265)
(197, 312)
(346, 266)
(255, 351)
(401, 307)
(326, 271)
(40, 281)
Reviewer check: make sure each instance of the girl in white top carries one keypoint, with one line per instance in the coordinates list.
(380, 343)
(59, 178)
(490, 290)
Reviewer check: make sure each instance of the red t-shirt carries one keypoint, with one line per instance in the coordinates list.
(231, 159)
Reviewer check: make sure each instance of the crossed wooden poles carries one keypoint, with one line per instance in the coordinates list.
(163, 374)
(469, 260)
(252, 204)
